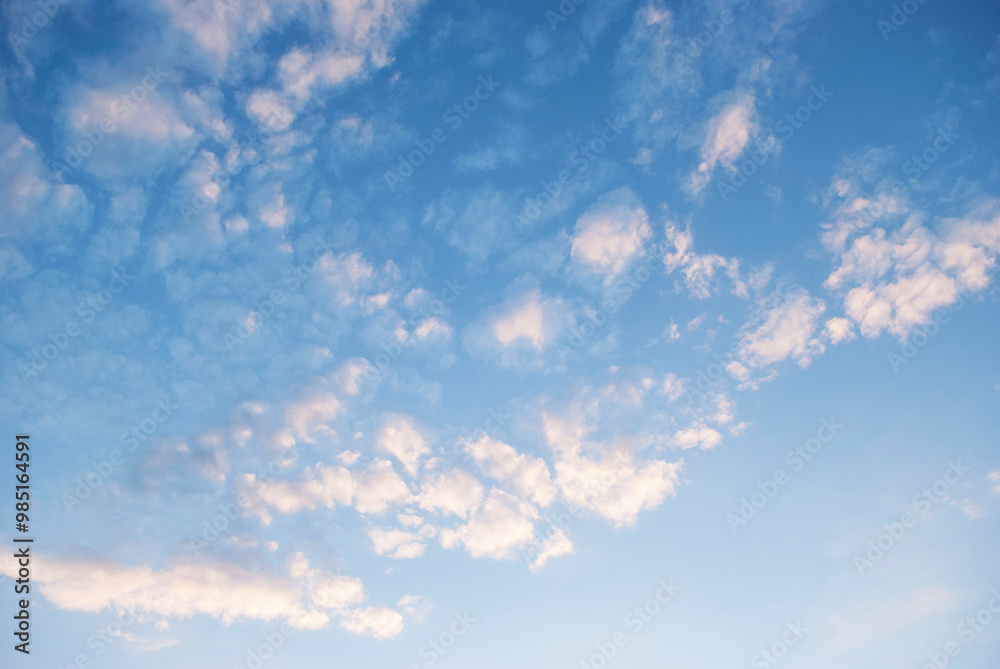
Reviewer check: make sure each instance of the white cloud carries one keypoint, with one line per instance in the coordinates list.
(839, 329)
(302, 71)
(521, 330)
(892, 268)
(202, 109)
(114, 139)
(349, 377)
(699, 270)
(220, 28)
(410, 519)
(324, 485)
(555, 545)
(348, 458)
(334, 591)
(727, 135)
(274, 213)
(698, 435)
(379, 622)
(354, 33)
(454, 492)
(432, 328)
(311, 416)
(724, 410)
(355, 130)
(414, 606)
(347, 276)
(612, 484)
(269, 110)
(400, 437)
(895, 280)
(221, 590)
(786, 330)
(298, 565)
(399, 544)
(671, 332)
(496, 530)
(695, 323)
(477, 222)
(153, 120)
(378, 487)
(523, 321)
(29, 193)
(526, 474)
(673, 387)
(611, 233)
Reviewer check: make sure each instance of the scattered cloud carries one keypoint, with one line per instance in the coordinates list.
(727, 135)
(611, 233)
(786, 330)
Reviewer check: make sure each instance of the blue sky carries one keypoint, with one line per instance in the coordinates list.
(588, 334)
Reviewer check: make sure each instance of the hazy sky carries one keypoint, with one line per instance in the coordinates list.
(361, 333)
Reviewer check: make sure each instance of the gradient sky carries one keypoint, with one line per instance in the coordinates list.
(594, 334)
